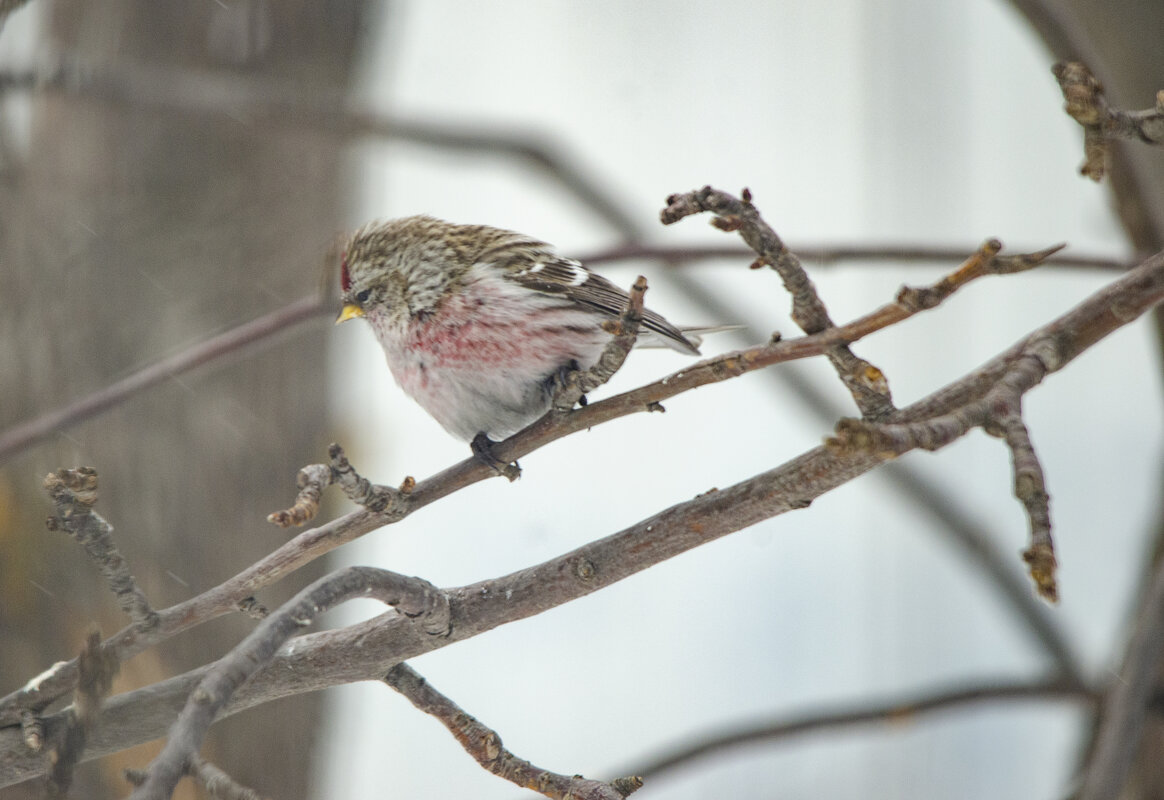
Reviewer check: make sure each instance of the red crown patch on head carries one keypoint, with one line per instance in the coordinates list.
(345, 276)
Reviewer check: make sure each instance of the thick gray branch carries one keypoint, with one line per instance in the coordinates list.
(412, 597)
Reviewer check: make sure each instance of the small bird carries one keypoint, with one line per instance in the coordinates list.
(479, 324)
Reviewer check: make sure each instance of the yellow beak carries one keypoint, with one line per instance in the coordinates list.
(350, 311)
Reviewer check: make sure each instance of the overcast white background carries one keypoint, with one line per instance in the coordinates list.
(904, 121)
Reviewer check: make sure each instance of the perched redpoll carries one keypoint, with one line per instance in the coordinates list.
(479, 324)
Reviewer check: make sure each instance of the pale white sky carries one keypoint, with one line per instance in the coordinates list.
(934, 123)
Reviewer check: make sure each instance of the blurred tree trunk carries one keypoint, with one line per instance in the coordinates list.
(1120, 40)
(125, 234)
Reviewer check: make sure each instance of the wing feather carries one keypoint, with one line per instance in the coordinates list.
(549, 273)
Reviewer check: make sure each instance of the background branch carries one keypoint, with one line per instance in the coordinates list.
(267, 105)
(235, 340)
(908, 710)
(1126, 705)
(823, 254)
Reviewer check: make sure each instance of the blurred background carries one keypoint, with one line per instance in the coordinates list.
(195, 174)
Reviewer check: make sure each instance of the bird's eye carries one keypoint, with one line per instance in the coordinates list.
(363, 296)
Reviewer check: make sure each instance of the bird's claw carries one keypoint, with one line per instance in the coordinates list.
(482, 447)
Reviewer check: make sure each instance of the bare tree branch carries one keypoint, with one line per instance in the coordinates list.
(906, 709)
(944, 507)
(415, 599)
(314, 478)
(22, 436)
(864, 381)
(824, 255)
(1087, 105)
(74, 491)
(263, 104)
(216, 782)
(997, 412)
(624, 333)
(484, 745)
(1126, 705)
(1067, 31)
(1030, 489)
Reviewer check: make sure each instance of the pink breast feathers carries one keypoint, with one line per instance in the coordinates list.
(485, 328)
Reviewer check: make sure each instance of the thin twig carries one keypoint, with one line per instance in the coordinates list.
(313, 479)
(484, 745)
(865, 382)
(1030, 489)
(625, 330)
(912, 300)
(74, 491)
(1087, 104)
(825, 255)
(1068, 35)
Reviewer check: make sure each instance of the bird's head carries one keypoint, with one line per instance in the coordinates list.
(400, 268)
